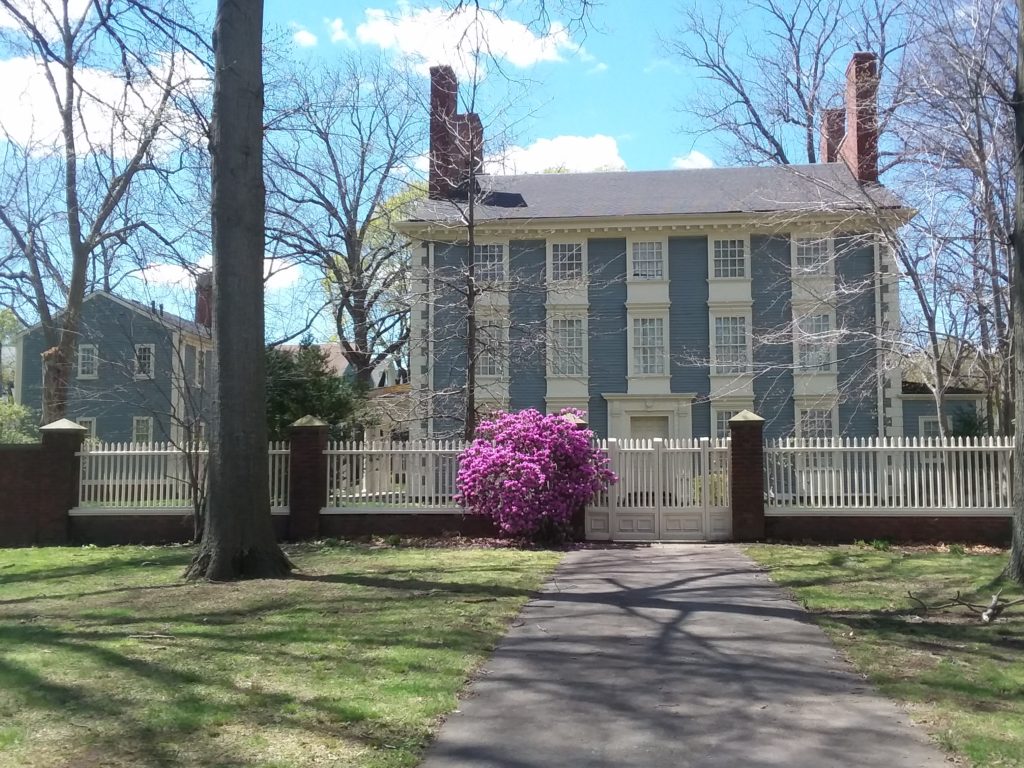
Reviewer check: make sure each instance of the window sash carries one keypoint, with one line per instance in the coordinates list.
(142, 429)
(490, 359)
(143, 364)
(731, 344)
(649, 346)
(812, 254)
(814, 346)
(88, 362)
(722, 422)
(648, 261)
(567, 346)
(730, 258)
(816, 423)
(567, 261)
(489, 263)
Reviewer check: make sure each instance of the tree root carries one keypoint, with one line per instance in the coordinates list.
(987, 613)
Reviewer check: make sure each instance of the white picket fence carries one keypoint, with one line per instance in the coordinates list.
(889, 476)
(417, 476)
(159, 477)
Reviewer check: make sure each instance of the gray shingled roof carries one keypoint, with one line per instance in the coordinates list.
(753, 189)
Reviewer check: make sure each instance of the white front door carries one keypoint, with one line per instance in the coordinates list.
(648, 427)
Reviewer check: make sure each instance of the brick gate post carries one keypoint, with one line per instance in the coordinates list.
(746, 476)
(307, 481)
(58, 480)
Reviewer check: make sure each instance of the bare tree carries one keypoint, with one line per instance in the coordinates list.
(114, 74)
(1016, 564)
(238, 540)
(339, 153)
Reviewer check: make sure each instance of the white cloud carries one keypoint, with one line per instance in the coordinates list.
(337, 29)
(45, 15)
(304, 38)
(571, 153)
(431, 36)
(277, 274)
(693, 159)
(110, 115)
(598, 68)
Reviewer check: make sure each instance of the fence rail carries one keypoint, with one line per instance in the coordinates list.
(889, 476)
(384, 477)
(162, 476)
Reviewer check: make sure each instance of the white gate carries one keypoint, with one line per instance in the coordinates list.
(668, 490)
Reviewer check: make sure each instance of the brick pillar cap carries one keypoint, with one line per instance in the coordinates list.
(309, 421)
(745, 416)
(63, 425)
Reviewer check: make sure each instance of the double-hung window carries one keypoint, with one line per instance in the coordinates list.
(144, 363)
(816, 423)
(730, 345)
(491, 349)
(648, 260)
(722, 422)
(814, 344)
(730, 259)
(566, 261)
(649, 346)
(566, 347)
(812, 255)
(489, 263)
(88, 361)
(142, 429)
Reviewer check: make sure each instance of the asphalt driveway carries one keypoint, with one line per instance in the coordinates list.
(672, 656)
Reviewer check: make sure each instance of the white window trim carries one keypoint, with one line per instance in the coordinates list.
(585, 356)
(90, 424)
(200, 380)
(830, 254)
(633, 239)
(731, 310)
(152, 363)
(745, 237)
(96, 362)
(550, 273)
(802, 312)
(666, 343)
(136, 420)
(505, 261)
(922, 420)
(833, 407)
(728, 405)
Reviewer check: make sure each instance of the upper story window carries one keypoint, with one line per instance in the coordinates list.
(814, 344)
(567, 261)
(648, 260)
(730, 258)
(88, 361)
(566, 346)
(816, 423)
(201, 362)
(144, 366)
(492, 347)
(649, 346)
(730, 344)
(489, 263)
(812, 254)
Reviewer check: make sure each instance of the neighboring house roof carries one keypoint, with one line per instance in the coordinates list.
(918, 388)
(821, 187)
(166, 318)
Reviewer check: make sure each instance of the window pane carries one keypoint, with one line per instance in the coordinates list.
(811, 254)
(647, 261)
(142, 429)
(814, 342)
(490, 340)
(567, 261)
(144, 360)
(816, 423)
(649, 345)
(87, 363)
(567, 346)
(489, 263)
(722, 422)
(730, 344)
(730, 258)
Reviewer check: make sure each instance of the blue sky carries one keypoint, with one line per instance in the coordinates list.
(614, 87)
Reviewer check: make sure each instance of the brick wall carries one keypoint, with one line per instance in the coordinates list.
(840, 530)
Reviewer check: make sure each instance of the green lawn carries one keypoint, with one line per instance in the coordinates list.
(108, 659)
(960, 679)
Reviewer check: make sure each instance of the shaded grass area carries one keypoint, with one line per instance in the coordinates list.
(108, 659)
(962, 680)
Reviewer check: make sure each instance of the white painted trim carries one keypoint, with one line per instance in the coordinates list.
(634, 239)
(742, 235)
(149, 422)
(815, 404)
(723, 311)
(95, 358)
(550, 260)
(567, 314)
(801, 312)
(781, 511)
(978, 397)
(152, 363)
(830, 253)
(654, 312)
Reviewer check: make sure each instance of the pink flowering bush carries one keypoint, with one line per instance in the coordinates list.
(529, 472)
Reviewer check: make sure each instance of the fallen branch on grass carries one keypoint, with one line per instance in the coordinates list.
(987, 613)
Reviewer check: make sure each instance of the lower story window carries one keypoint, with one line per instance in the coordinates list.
(722, 422)
(567, 346)
(491, 349)
(142, 429)
(89, 422)
(816, 423)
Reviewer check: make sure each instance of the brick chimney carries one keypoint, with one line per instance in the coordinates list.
(860, 147)
(833, 129)
(456, 141)
(204, 299)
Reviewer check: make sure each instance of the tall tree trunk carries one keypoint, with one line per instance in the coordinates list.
(238, 539)
(1016, 565)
